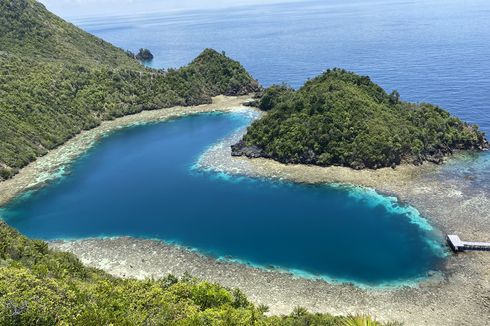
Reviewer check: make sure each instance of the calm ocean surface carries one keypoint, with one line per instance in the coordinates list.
(435, 51)
(139, 181)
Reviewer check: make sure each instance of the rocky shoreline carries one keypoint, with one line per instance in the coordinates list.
(436, 156)
(461, 296)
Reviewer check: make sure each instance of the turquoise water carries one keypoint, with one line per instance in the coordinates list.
(141, 182)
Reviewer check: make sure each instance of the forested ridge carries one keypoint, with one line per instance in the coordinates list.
(57, 80)
(341, 118)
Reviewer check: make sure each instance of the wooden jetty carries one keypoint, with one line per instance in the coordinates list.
(457, 245)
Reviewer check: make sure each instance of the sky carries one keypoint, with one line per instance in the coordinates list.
(89, 8)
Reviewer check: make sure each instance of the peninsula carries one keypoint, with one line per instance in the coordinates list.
(343, 119)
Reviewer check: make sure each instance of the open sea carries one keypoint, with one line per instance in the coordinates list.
(140, 181)
(434, 51)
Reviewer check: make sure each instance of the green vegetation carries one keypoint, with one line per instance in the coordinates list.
(39, 286)
(27, 29)
(57, 80)
(340, 118)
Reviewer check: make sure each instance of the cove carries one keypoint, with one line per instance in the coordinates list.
(140, 182)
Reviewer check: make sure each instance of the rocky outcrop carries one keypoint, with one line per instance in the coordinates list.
(252, 104)
(433, 155)
(240, 149)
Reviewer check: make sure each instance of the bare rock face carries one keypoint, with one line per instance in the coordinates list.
(240, 149)
(144, 55)
(484, 146)
(252, 104)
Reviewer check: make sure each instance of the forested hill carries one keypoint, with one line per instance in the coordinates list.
(57, 80)
(341, 118)
(28, 30)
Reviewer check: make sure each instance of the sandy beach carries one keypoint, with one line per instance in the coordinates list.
(460, 296)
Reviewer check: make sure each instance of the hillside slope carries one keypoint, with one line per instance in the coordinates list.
(340, 118)
(28, 30)
(39, 286)
(57, 80)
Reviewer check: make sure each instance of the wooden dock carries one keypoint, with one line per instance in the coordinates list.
(457, 245)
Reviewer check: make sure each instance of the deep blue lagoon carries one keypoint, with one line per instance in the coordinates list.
(140, 181)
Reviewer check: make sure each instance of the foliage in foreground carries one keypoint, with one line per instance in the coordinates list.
(341, 118)
(57, 80)
(39, 286)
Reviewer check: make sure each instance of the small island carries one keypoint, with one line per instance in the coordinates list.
(343, 119)
(144, 55)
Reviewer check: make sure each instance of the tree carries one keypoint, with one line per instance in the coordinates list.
(394, 97)
(340, 118)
